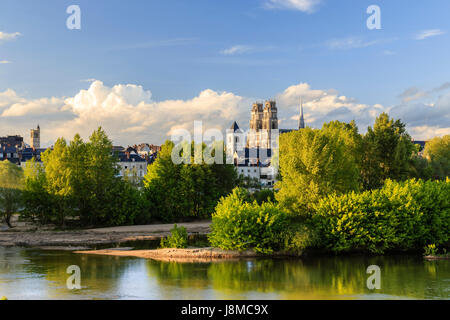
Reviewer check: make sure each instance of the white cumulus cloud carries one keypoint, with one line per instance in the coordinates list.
(238, 49)
(9, 36)
(129, 114)
(428, 33)
(300, 5)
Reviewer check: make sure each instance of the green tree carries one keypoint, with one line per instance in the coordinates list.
(57, 172)
(77, 166)
(11, 185)
(184, 190)
(102, 172)
(314, 163)
(387, 152)
(437, 152)
(38, 206)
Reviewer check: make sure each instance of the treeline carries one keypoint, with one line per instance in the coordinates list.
(78, 184)
(342, 191)
(189, 190)
(337, 159)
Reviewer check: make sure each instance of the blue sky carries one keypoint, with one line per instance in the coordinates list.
(252, 49)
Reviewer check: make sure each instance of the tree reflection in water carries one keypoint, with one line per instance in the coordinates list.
(36, 274)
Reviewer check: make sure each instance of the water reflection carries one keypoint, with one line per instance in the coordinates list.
(35, 274)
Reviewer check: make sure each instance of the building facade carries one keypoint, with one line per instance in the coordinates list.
(252, 152)
(35, 138)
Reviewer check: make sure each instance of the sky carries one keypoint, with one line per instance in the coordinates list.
(143, 68)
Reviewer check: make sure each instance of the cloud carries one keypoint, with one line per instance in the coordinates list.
(176, 42)
(308, 6)
(355, 43)
(238, 49)
(325, 105)
(413, 93)
(9, 36)
(428, 33)
(129, 114)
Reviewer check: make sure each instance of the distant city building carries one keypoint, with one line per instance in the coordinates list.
(133, 161)
(131, 164)
(262, 124)
(145, 149)
(252, 153)
(35, 138)
(12, 141)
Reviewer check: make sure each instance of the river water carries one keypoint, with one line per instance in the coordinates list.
(38, 274)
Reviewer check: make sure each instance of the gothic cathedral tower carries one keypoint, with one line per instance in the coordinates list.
(36, 138)
(262, 122)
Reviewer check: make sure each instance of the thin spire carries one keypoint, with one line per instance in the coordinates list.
(301, 121)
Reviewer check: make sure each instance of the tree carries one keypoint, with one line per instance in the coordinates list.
(102, 172)
(81, 187)
(186, 190)
(38, 205)
(11, 185)
(81, 180)
(314, 163)
(387, 152)
(57, 172)
(437, 152)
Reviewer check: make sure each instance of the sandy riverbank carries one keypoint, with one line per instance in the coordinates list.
(178, 255)
(89, 238)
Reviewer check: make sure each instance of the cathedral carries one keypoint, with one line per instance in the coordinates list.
(262, 137)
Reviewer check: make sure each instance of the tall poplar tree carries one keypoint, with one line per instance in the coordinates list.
(11, 185)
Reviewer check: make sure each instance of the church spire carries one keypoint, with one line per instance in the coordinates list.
(301, 121)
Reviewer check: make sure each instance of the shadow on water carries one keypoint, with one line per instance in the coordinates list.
(36, 274)
(194, 240)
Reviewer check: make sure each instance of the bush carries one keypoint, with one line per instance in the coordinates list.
(262, 196)
(297, 238)
(178, 239)
(401, 215)
(239, 225)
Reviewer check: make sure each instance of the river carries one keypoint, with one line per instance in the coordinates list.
(38, 274)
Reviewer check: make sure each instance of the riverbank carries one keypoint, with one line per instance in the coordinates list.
(181, 255)
(90, 238)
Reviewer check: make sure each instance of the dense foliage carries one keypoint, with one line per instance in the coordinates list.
(314, 163)
(188, 190)
(437, 152)
(178, 238)
(11, 184)
(79, 182)
(387, 152)
(240, 225)
(401, 215)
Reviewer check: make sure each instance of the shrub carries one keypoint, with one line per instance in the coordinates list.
(297, 238)
(262, 196)
(240, 225)
(401, 215)
(430, 250)
(178, 238)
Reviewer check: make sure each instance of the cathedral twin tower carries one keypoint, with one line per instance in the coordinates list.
(263, 121)
(264, 131)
